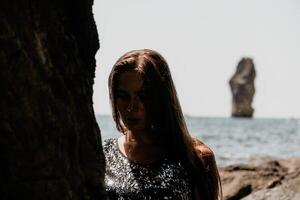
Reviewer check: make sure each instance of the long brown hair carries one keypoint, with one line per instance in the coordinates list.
(165, 117)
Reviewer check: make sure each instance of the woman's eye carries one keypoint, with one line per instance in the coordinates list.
(121, 95)
(143, 95)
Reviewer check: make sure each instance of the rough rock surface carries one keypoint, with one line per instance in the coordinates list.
(50, 144)
(262, 179)
(242, 88)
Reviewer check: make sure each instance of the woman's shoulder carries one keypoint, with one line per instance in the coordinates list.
(204, 153)
(108, 144)
(109, 141)
(202, 149)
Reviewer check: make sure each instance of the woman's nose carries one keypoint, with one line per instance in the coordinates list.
(133, 104)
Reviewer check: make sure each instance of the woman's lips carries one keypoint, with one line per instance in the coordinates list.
(132, 120)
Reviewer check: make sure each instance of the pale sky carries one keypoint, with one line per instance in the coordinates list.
(203, 40)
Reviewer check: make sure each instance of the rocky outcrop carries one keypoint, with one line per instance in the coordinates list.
(50, 145)
(262, 179)
(242, 88)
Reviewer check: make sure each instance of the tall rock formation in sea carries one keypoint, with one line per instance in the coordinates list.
(242, 88)
(50, 143)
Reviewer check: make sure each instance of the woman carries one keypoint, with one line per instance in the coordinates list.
(156, 158)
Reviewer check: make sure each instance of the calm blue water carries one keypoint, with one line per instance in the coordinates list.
(236, 140)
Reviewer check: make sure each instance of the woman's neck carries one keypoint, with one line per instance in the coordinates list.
(138, 137)
(138, 147)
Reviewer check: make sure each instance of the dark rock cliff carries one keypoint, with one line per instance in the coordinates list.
(50, 144)
(242, 88)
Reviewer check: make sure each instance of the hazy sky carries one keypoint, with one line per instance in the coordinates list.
(203, 40)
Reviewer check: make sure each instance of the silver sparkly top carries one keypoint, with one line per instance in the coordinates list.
(127, 180)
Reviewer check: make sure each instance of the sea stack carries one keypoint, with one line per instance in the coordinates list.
(242, 88)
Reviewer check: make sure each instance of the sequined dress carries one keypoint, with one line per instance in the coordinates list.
(127, 180)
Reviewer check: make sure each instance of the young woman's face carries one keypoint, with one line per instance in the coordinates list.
(130, 99)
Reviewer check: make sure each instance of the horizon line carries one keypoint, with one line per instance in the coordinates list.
(220, 116)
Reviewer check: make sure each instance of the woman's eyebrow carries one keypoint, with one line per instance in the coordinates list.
(120, 90)
(142, 90)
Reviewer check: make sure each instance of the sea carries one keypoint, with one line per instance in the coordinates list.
(235, 140)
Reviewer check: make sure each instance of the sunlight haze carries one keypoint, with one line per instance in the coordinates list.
(203, 42)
